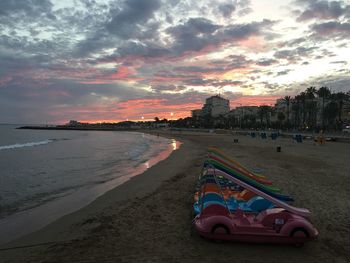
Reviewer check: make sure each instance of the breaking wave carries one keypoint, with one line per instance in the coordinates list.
(21, 145)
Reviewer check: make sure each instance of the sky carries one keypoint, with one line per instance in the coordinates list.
(117, 60)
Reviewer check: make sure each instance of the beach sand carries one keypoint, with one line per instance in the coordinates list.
(148, 219)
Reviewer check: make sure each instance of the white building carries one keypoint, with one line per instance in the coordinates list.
(216, 106)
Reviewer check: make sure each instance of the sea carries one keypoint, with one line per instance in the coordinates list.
(46, 174)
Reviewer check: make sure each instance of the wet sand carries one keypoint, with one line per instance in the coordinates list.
(148, 219)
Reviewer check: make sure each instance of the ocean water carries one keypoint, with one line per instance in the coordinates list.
(47, 174)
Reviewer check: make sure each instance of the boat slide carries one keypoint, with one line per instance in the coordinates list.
(298, 211)
(217, 152)
(218, 165)
(238, 169)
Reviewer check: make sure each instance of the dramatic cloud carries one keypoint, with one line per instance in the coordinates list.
(296, 54)
(138, 49)
(122, 59)
(198, 33)
(226, 9)
(25, 9)
(323, 10)
(193, 35)
(333, 28)
(266, 62)
(128, 21)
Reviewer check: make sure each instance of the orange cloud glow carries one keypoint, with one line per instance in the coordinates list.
(150, 108)
(132, 110)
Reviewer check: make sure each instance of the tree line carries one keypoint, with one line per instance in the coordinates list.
(316, 109)
(312, 109)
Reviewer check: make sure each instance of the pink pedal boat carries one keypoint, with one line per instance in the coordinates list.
(285, 224)
(274, 225)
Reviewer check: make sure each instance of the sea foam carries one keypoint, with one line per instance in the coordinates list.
(21, 145)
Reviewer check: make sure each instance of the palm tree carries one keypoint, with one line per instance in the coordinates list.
(265, 112)
(261, 114)
(311, 106)
(296, 110)
(340, 97)
(330, 112)
(301, 99)
(281, 117)
(287, 100)
(311, 92)
(323, 93)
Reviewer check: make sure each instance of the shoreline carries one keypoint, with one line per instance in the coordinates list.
(15, 226)
(130, 189)
(307, 135)
(149, 217)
